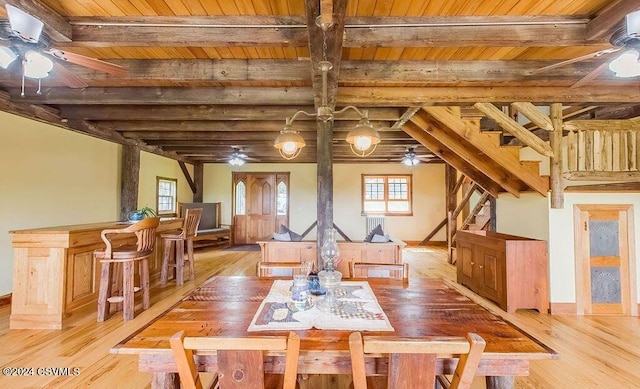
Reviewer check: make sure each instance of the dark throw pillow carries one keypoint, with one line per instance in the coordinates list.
(375, 231)
(294, 237)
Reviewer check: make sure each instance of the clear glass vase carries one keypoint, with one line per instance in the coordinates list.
(329, 277)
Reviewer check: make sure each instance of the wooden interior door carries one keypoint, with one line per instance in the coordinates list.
(605, 267)
(256, 213)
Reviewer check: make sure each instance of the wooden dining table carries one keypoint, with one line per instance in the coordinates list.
(225, 306)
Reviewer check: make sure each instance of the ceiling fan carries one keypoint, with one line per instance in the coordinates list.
(412, 159)
(38, 59)
(625, 38)
(238, 158)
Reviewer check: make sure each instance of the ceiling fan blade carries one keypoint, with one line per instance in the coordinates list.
(577, 59)
(592, 75)
(24, 25)
(66, 76)
(89, 62)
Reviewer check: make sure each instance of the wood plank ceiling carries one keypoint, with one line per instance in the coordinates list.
(204, 76)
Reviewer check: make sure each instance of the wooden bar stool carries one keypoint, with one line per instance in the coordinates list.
(186, 235)
(126, 255)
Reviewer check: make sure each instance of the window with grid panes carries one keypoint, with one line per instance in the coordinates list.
(386, 194)
(166, 195)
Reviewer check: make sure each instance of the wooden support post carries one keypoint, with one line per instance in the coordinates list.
(130, 176)
(325, 182)
(198, 178)
(187, 176)
(493, 223)
(451, 197)
(557, 189)
(426, 240)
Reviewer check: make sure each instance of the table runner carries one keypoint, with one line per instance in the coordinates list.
(360, 311)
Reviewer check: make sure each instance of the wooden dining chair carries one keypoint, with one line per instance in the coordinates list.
(240, 361)
(412, 361)
(125, 255)
(379, 270)
(278, 269)
(181, 239)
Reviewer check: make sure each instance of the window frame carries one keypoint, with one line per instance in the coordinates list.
(175, 197)
(386, 200)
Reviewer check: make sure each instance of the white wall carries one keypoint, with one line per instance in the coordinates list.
(526, 216)
(428, 194)
(152, 166)
(52, 176)
(561, 238)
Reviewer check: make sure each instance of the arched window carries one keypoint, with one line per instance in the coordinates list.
(281, 204)
(241, 198)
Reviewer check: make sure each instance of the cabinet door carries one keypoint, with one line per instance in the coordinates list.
(489, 265)
(83, 277)
(465, 262)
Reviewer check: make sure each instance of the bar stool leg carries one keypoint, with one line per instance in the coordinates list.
(164, 274)
(144, 282)
(179, 262)
(192, 269)
(105, 291)
(128, 289)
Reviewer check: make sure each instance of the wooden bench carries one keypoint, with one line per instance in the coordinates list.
(211, 231)
(286, 251)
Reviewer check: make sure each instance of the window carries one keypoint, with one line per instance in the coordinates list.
(281, 201)
(166, 195)
(386, 194)
(241, 198)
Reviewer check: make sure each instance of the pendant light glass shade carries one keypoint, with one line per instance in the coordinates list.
(363, 139)
(626, 65)
(289, 143)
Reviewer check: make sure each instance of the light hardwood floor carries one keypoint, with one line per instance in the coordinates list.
(595, 352)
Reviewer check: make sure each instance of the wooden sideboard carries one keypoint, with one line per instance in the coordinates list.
(285, 251)
(509, 270)
(55, 274)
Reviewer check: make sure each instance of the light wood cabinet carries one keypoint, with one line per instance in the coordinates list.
(507, 269)
(55, 274)
(279, 251)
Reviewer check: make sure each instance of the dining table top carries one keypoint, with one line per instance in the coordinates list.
(225, 306)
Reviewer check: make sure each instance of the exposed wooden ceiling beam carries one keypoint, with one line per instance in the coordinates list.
(212, 137)
(607, 21)
(230, 113)
(224, 31)
(55, 26)
(169, 126)
(371, 96)
(263, 70)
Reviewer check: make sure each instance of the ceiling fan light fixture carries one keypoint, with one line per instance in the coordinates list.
(289, 143)
(36, 65)
(363, 139)
(7, 56)
(236, 161)
(27, 27)
(626, 65)
(410, 161)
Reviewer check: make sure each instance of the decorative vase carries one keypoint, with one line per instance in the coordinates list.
(135, 216)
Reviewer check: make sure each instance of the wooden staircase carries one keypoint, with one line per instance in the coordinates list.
(477, 154)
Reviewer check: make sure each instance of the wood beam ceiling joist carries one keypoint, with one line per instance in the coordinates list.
(370, 96)
(607, 21)
(225, 31)
(278, 70)
(231, 113)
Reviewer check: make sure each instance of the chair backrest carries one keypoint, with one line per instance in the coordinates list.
(191, 221)
(279, 269)
(379, 270)
(412, 361)
(240, 361)
(145, 231)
